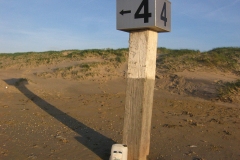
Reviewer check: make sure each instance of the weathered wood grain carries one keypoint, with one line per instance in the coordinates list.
(139, 93)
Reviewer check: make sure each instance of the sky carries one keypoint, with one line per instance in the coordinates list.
(43, 25)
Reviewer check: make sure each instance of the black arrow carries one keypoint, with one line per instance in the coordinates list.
(125, 12)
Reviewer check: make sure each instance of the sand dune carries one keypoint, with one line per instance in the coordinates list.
(73, 109)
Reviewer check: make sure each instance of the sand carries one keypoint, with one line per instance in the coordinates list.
(52, 117)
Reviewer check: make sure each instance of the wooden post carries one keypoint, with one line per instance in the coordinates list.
(139, 93)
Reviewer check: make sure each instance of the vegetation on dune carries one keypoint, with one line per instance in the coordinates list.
(82, 71)
(96, 52)
(53, 57)
(108, 63)
(112, 55)
(229, 91)
(87, 62)
(221, 59)
(224, 59)
(29, 58)
(169, 60)
(176, 52)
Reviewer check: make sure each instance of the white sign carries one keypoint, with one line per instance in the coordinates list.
(144, 14)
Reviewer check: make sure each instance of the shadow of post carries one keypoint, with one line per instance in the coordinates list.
(94, 141)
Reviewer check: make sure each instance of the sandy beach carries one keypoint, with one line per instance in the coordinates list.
(45, 114)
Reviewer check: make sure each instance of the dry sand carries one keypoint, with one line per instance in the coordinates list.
(50, 117)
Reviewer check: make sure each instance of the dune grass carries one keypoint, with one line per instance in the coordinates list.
(82, 71)
(229, 90)
(53, 57)
(224, 59)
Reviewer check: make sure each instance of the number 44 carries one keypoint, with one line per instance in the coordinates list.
(146, 15)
